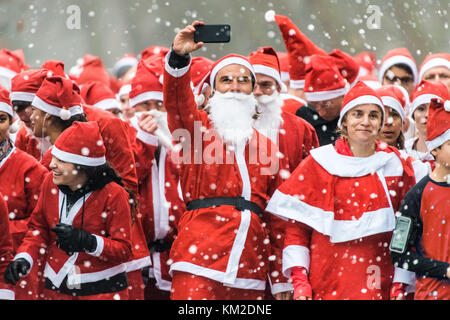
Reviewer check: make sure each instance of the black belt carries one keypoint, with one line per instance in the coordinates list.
(238, 202)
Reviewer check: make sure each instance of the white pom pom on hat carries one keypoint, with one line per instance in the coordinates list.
(270, 16)
(200, 99)
(447, 105)
(64, 114)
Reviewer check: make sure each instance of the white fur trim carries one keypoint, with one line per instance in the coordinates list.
(440, 140)
(138, 264)
(370, 223)
(286, 96)
(404, 276)
(22, 96)
(54, 110)
(297, 84)
(99, 247)
(149, 95)
(295, 256)
(325, 95)
(147, 137)
(259, 68)
(7, 73)
(176, 73)
(398, 60)
(25, 256)
(436, 62)
(422, 99)
(285, 76)
(394, 104)
(108, 104)
(6, 294)
(447, 105)
(125, 89)
(6, 108)
(281, 287)
(78, 159)
(227, 62)
(367, 99)
(216, 275)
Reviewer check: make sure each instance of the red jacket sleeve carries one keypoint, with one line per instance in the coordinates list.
(6, 290)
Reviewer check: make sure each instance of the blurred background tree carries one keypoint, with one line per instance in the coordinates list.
(109, 29)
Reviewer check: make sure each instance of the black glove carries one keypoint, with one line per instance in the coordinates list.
(71, 239)
(16, 269)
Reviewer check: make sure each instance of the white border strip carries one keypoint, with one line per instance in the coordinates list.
(228, 61)
(433, 144)
(78, 159)
(22, 96)
(297, 84)
(108, 104)
(176, 73)
(53, 110)
(398, 60)
(270, 72)
(393, 103)
(325, 95)
(366, 99)
(6, 108)
(423, 99)
(295, 256)
(436, 62)
(148, 95)
(7, 73)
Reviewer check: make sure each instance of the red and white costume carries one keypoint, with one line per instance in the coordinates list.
(219, 243)
(344, 212)
(6, 251)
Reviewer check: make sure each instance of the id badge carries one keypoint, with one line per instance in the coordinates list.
(400, 235)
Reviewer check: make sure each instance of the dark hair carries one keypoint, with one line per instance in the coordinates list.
(64, 124)
(400, 143)
(100, 176)
(19, 105)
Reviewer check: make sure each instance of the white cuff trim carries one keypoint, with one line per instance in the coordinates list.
(100, 245)
(177, 73)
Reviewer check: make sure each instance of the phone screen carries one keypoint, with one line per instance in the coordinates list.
(212, 33)
(400, 235)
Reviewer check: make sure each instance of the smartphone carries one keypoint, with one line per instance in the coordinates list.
(400, 235)
(212, 33)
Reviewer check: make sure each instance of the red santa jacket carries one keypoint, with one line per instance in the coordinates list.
(292, 103)
(342, 210)
(6, 251)
(221, 243)
(21, 177)
(105, 213)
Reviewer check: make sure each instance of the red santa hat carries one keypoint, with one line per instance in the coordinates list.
(394, 97)
(299, 48)
(127, 61)
(153, 50)
(229, 60)
(147, 84)
(81, 144)
(283, 58)
(371, 80)
(367, 62)
(200, 68)
(56, 67)
(265, 61)
(426, 91)
(124, 89)
(5, 103)
(11, 63)
(360, 94)
(323, 79)
(398, 56)
(99, 95)
(25, 85)
(434, 60)
(59, 97)
(347, 65)
(438, 124)
(92, 69)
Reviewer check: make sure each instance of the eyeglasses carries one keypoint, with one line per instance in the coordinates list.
(403, 80)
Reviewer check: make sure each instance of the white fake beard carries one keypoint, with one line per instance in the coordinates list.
(162, 133)
(232, 115)
(269, 120)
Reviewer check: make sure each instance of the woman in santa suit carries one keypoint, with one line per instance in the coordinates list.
(82, 222)
(6, 251)
(341, 202)
(21, 177)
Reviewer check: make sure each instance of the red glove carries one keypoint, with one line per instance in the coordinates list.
(398, 290)
(302, 287)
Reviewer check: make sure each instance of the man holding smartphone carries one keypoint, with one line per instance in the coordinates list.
(222, 249)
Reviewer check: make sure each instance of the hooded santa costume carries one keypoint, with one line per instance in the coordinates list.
(104, 213)
(295, 138)
(341, 210)
(6, 251)
(221, 240)
(426, 205)
(21, 177)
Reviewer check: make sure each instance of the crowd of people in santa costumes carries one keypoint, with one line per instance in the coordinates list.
(272, 175)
